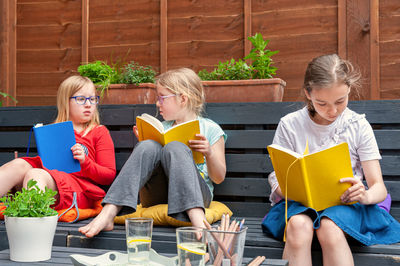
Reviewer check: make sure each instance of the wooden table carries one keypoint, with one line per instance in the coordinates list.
(60, 256)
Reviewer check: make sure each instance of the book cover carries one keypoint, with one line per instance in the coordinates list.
(312, 179)
(150, 127)
(54, 142)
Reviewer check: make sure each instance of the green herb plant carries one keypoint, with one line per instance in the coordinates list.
(259, 68)
(101, 74)
(261, 58)
(133, 73)
(30, 202)
(229, 70)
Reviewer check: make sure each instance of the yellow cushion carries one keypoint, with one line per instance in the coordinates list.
(159, 214)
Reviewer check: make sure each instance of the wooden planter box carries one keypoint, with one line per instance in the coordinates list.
(251, 90)
(130, 94)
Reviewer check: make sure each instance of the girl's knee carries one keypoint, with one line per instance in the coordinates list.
(148, 145)
(175, 146)
(42, 177)
(329, 233)
(299, 230)
(148, 148)
(18, 164)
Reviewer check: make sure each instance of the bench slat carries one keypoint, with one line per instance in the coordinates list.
(248, 209)
(237, 139)
(252, 187)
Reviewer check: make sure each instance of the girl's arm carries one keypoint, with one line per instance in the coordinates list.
(102, 170)
(215, 160)
(215, 156)
(376, 188)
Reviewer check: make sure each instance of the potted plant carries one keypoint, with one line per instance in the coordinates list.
(129, 84)
(30, 223)
(238, 81)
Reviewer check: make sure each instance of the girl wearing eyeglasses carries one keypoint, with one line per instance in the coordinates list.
(169, 174)
(76, 102)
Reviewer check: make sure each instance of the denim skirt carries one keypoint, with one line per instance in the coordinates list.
(367, 224)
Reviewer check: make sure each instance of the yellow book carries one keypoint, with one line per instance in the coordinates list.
(150, 127)
(312, 179)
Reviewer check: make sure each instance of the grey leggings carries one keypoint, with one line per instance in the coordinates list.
(162, 175)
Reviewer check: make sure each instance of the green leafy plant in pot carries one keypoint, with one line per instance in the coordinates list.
(259, 68)
(101, 74)
(104, 75)
(245, 80)
(30, 223)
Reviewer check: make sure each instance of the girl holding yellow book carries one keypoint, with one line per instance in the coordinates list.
(168, 174)
(325, 122)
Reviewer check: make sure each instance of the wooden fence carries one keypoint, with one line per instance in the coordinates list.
(42, 42)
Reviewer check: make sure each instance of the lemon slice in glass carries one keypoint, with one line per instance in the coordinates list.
(142, 240)
(189, 247)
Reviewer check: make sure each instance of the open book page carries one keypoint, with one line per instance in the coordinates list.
(153, 121)
(147, 130)
(182, 133)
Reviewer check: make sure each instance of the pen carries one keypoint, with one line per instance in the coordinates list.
(241, 224)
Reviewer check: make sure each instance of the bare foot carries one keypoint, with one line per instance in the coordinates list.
(103, 222)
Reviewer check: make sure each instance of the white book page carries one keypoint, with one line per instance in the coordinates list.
(154, 121)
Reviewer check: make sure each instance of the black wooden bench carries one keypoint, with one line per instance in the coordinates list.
(250, 128)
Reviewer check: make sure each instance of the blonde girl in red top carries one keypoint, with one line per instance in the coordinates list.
(94, 149)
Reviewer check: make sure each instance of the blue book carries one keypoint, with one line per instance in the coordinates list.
(54, 142)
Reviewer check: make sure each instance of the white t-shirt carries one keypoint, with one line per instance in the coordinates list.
(295, 128)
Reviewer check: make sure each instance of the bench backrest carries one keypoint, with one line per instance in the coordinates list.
(250, 128)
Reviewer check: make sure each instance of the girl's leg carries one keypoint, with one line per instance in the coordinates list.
(12, 174)
(188, 193)
(299, 236)
(102, 222)
(123, 193)
(335, 249)
(196, 216)
(43, 178)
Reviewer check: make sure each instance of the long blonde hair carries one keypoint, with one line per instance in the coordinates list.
(327, 70)
(184, 81)
(67, 89)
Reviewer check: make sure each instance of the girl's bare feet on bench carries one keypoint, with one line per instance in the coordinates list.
(103, 222)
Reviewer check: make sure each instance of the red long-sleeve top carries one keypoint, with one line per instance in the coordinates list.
(98, 169)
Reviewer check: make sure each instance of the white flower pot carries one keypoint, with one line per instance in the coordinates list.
(30, 238)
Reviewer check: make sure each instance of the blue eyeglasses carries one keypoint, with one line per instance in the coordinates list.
(160, 99)
(81, 100)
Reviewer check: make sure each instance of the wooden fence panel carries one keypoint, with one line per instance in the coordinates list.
(300, 33)
(389, 42)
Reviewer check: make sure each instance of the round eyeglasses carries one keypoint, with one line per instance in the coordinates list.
(160, 99)
(82, 99)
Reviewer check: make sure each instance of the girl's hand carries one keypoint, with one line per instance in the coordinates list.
(201, 145)
(78, 153)
(135, 131)
(356, 192)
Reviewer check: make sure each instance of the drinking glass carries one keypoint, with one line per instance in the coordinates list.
(138, 240)
(191, 246)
